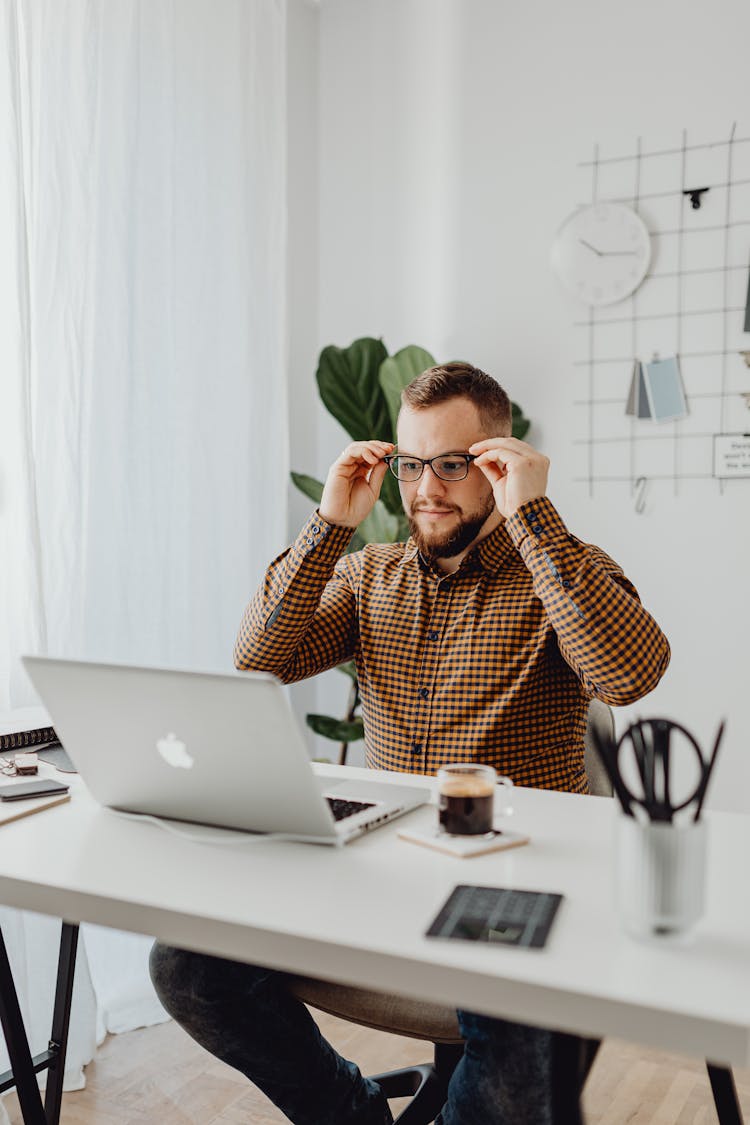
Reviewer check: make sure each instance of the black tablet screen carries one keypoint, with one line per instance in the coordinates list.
(497, 915)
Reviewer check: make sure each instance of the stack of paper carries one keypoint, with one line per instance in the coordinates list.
(656, 391)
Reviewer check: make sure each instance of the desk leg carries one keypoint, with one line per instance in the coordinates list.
(725, 1094)
(58, 1045)
(572, 1059)
(23, 1066)
(22, 1073)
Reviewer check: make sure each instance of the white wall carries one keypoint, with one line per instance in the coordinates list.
(450, 132)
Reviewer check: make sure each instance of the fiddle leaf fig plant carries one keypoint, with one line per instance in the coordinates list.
(361, 387)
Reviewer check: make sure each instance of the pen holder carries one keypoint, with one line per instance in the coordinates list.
(661, 870)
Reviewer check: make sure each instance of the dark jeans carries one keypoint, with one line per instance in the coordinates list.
(245, 1016)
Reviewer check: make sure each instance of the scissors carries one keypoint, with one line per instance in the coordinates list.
(650, 740)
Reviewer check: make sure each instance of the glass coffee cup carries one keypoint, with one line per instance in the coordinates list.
(466, 798)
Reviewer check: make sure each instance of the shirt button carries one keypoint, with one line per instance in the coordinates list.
(432, 635)
(311, 542)
(423, 693)
(566, 582)
(536, 528)
(316, 529)
(416, 748)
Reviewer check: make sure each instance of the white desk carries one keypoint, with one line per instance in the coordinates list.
(357, 915)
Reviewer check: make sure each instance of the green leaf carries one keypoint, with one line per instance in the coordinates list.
(397, 372)
(356, 543)
(349, 669)
(403, 529)
(390, 495)
(380, 526)
(348, 384)
(309, 485)
(387, 531)
(337, 729)
(519, 422)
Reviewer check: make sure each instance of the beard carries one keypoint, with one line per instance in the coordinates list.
(448, 544)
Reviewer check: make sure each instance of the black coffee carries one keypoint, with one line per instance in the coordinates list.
(466, 806)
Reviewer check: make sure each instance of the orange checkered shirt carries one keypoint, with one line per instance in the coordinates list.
(494, 663)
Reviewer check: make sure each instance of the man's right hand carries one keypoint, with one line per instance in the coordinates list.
(353, 483)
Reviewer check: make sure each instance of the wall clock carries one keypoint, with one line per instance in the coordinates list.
(602, 252)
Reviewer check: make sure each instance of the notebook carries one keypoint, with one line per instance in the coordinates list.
(210, 749)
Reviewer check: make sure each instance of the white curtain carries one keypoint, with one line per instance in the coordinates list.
(143, 447)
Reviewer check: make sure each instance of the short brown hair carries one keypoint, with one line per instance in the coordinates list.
(461, 380)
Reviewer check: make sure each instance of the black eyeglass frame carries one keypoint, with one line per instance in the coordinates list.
(424, 461)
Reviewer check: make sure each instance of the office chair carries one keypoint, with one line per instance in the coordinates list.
(416, 1019)
(601, 720)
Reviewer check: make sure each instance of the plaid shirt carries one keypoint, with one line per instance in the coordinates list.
(495, 663)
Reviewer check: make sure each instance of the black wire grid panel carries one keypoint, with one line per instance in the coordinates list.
(691, 304)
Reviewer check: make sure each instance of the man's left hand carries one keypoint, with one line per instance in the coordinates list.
(516, 471)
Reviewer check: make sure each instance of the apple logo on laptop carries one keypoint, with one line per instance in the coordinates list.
(174, 752)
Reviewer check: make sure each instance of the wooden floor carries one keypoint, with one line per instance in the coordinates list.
(159, 1076)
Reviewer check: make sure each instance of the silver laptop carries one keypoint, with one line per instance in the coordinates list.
(222, 750)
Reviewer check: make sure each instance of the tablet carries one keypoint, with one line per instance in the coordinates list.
(497, 915)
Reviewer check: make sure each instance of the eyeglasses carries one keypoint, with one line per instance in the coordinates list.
(447, 466)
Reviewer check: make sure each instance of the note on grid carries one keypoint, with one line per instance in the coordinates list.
(664, 390)
(731, 455)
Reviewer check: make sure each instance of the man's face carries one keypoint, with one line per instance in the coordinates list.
(445, 516)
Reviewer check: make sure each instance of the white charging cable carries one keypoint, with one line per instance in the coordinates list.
(237, 837)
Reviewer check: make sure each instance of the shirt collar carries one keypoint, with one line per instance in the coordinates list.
(496, 549)
(490, 553)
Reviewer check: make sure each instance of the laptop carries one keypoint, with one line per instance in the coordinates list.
(210, 749)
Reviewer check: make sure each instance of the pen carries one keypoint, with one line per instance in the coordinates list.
(663, 809)
(707, 770)
(644, 756)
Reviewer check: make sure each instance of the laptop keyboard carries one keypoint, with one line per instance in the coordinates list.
(341, 809)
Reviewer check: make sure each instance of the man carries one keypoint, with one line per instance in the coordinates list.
(484, 637)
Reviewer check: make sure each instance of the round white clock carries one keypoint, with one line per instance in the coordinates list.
(602, 252)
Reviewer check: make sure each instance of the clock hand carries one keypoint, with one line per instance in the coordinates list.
(605, 253)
